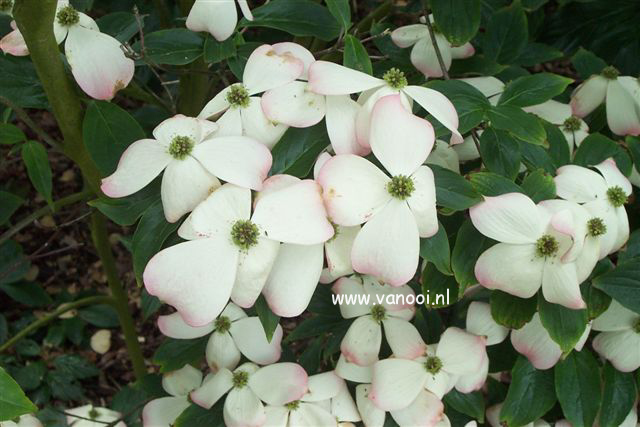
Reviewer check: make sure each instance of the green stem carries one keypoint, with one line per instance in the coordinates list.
(432, 35)
(24, 116)
(35, 21)
(100, 299)
(101, 242)
(73, 198)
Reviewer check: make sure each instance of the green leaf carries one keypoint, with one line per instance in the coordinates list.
(622, 284)
(500, 152)
(173, 354)
(471, 404)
(35, 158)
(297, 151)
(565, 326)
(511, 311)
(13, 401)
(536, 53)
(470, 243)
(535, 157)
(476, 65)
(595, 149)
(28, 293)
(458, 20)
(631, 249)
(341, 11)
(596, 300)
(127, 210)
(439, 290)
(107, 130)
(215, 51)
(268, 319)
(196, 415)
(120, 25)
(633, 142)
(539, 186)
(522, 125)
(11, 134)
(531, 394)
(577, 380)
(239, 61)
(153, 229)
(9, 203)
(307, 18)
(101, 315)
(149, 304)
(618, 396)
(436, 249)
(20, 83)
(534, 89)
(355, 55)
(587, 63)
(491, 184)
(75, 367)
(469, 102)
(13, 263)
(558, 145)
(507, 34)
(453, 191)
(175, 46)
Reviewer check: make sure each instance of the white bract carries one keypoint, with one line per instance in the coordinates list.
(574, 129)
(232, 335)
(217, 17)
(619, 339)
(23, 421)
(92, 416)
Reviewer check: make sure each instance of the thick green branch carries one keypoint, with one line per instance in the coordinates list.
(101, 242)
(101, 299)
(35, 21)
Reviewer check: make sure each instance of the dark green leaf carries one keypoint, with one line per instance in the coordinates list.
(196, 415)
(30, 376)
(13, 264)
(439, 290)
(315, 326)
(502, 357)
(153, 229)
(310, 357)
(577, 379)
(458, 20)
(27, 347)
(11, 134)
(596, 300)
(173, 354)
(632, 248)
(35, 158)
(633, 142)
(9, 203)
(239, 61)
(535, 157)
(471, 404)
(107, 130)
(469, 102)
(120, 25)
(492, 184)
(13, 401)
(149, 304)
(531, 394)
(595, 149)
(622, 284)
(511, 311)
(27, 293)
(618, 396)
(453, 191)
(536, 53)
(534, 89)
(355, 55)
(341, 11)
(268, 319)
(127, 210)
(175, 46)
(522, 125)
(539, 186)
(470, 243)
(75, 367)
(102, 316)
(565, 326)
(298, 149)
(507, 34)
(587, 63)
(307, 18)
(215, 51)
(436, 250)
(477, 65)
(500, 152)
(558, 146)
(20, 83)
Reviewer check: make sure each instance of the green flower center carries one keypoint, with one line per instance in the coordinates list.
(93, 414)
(401, 186)
(636, 325)
(238, 96)
(433, 364)
(222, 324)
(395, 78)
(616, 196)
(378, 313)
(546, 245)
(572, 124)
(244, 234)
(67, 16)
(6, 5)
(292, 406)
(610, 73)
(240, 379)
(181, 147)
(596, 227)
